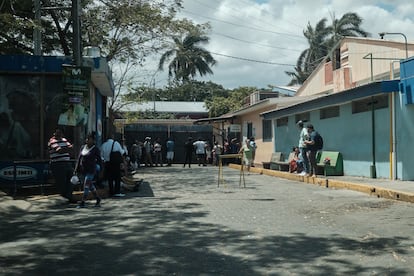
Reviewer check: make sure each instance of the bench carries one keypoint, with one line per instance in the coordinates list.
(335, 166)
(284, 165)
(276, 157)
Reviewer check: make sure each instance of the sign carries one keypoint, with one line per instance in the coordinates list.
(76, 85)
(235, 128)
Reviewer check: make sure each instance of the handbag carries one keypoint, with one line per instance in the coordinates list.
(115, 157)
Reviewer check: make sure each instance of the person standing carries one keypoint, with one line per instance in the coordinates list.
(112, 148)
(60, 150)
(253, 146)
(89, 164)
(312, 149)
(135, 155)
(246, 150)
(148, 152)
(189, 148)
(200, 149)
(303, 136)
(170, 151)
(217, 151)
(158, 152)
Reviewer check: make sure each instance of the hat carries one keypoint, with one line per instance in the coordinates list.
(310, 126)
(147, 138)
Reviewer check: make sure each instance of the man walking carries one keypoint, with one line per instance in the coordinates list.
(112, 155)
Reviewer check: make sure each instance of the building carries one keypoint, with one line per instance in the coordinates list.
(176, 121)
(359, 110)
(40, 93)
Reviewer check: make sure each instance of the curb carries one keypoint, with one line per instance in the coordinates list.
(371, 190)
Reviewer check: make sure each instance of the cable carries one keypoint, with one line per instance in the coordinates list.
(253, 60)
(248, 27)
(264, 45)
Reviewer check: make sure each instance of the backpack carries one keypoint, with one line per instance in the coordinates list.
(318, 141)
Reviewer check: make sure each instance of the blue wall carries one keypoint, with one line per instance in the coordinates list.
(349, 134)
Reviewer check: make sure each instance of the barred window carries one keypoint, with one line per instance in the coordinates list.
(329, 112)
(267, 130)
(365, 104)
(282, 121)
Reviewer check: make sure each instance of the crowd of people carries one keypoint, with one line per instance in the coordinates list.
(114, 160)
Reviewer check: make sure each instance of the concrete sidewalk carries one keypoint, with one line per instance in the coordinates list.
(383, 188)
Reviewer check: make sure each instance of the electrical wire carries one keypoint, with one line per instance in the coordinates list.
(253, 60)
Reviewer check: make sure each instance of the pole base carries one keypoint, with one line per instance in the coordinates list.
(373, 171)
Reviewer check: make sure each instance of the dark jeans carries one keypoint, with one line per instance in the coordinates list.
(113, 174)
(312, 160)
(188, 157)
(62, 172)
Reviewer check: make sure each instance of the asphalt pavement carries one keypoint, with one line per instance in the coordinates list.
(196, 221)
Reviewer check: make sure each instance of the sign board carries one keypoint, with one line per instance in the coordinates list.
(76, 85)
(235, 128)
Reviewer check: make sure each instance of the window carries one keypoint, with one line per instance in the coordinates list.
(249, 129)
(304, 117)
(267, 130)
(329, 112)
(282, 121)
(365, 104)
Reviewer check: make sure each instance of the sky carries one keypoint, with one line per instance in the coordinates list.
(255, 41)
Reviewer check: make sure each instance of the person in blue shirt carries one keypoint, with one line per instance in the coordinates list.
(170, 151)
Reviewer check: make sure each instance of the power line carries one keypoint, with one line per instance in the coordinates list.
(243, 26)
(253, 60)
(250, 42)
(238, 10)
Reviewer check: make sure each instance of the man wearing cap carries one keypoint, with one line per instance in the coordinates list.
(303, 136)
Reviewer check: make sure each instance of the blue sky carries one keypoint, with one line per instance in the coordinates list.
(256, 41)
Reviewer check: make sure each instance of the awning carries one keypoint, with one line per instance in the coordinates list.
(323, 101)
(223, 118)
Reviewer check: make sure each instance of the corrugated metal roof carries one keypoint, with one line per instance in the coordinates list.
(167, 107)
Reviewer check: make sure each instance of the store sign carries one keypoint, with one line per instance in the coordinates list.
(22, 173)
(235, 128)
(76, 80)
(76, 85)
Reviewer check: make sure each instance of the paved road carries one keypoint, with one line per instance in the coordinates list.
(181, 223)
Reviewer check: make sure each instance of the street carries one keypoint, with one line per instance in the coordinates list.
(181, 223)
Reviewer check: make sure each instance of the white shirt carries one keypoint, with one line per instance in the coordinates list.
(200, 147)
(106, 149)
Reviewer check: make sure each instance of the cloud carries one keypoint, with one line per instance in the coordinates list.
(272, 32)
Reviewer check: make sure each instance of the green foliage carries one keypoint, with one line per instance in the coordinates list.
(220, 105)
(187, 57)
(321, 40)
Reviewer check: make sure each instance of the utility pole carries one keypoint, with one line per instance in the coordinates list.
(37, 36)
(77, 36)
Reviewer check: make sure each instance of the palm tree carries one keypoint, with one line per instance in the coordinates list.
(311, 56)
(348, 25)
(321, 40)
(189, 58)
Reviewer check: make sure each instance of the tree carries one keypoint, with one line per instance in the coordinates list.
(321, 40)
(189, 57)
(234, 101)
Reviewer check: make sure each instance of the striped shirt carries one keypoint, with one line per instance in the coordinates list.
(55, 145)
